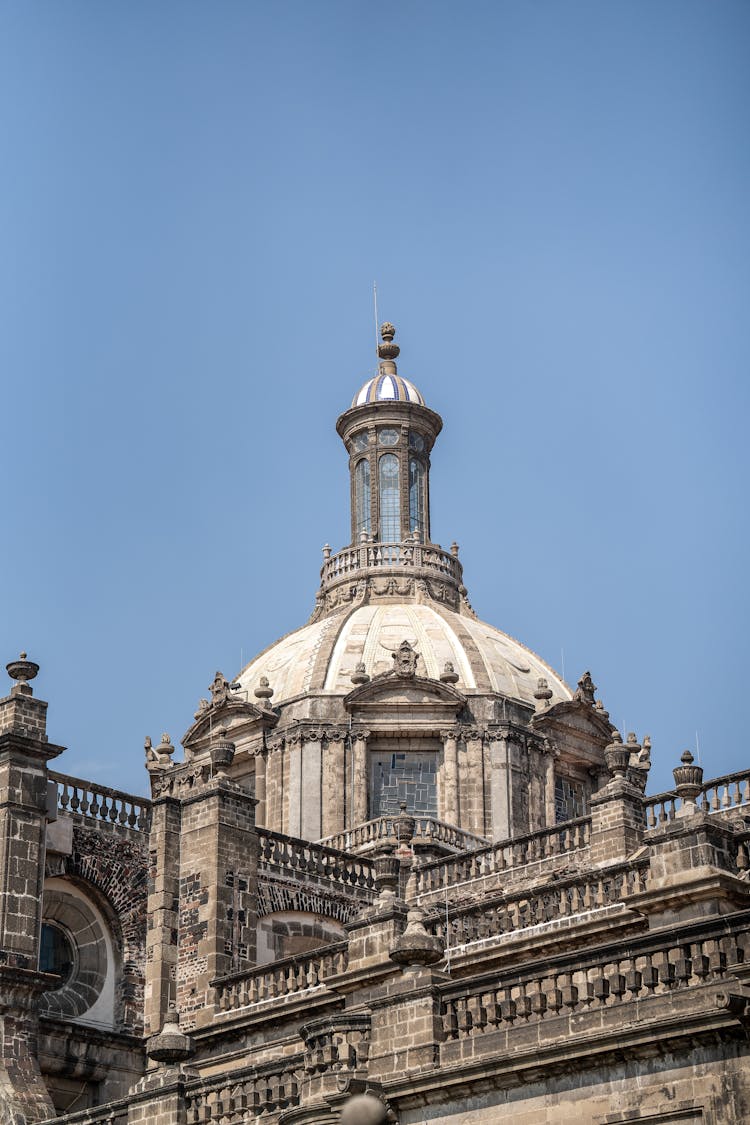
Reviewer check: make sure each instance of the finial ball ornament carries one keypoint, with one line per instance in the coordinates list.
(364, 1109)
(387, 331)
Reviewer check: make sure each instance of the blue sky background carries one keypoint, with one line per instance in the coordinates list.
(195, 200)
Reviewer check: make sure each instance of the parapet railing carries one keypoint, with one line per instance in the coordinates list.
(561, 839)
(239, 1097)
(514, 912)
(383, 831)
(281, 978)
(410, 554)
(732, 791)
(291, 855)
(85, 801)
(605, 981)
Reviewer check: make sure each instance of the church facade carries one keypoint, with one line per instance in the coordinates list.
(401, 872)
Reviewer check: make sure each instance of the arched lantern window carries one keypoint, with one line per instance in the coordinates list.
(416, 496)
(362, 496)
(390, 509)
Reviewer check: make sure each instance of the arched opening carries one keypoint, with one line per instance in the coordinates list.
(390, 507)
(362, 497)
(417, 520)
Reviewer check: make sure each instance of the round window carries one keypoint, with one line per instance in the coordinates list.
(361, 442)
(56, 953)
(388, 437)
(416, 441)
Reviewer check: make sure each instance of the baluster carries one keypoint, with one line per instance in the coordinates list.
(63, 795)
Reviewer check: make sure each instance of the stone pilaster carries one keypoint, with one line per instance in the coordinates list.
(261, 759)
(218, 880)
(617, 821)
(334, 782)
(359, 778)
(163, 907)
(24, 754)
(450, 809)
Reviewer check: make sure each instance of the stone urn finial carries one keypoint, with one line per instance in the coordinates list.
(542, 695)
(688, 781)
(617, 756)
(170, 1045)
(359, 675)
(222, 753)
(415, 948)
(264, 691)
(403, 826)
(449, 675)
(388, 350)
(22, 670)
(387, 873)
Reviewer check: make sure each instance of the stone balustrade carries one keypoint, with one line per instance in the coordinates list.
(302, 859)
(562, 839)
(410, 555)
(512, 913)
(85, 802)
(604, 982)
(373, 834)
(245, 1097)
(719, 794)
(281, 978)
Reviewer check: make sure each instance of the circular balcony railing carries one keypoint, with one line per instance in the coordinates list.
(408, 557)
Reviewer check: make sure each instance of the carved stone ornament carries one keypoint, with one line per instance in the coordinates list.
(405, 661)
(449, 675)
(219, 689)
(586, 689)
(543, 695)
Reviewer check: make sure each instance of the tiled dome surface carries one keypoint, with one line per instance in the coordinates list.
(484, 658)
(388, 388)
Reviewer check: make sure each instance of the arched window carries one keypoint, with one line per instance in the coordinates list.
(416, 497)
(390, 513)
(362, 496)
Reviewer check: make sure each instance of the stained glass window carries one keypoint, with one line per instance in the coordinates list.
(362, 495)
(390, 510)
(416, 496)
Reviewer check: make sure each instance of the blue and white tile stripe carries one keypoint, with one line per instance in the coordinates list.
(388, 388)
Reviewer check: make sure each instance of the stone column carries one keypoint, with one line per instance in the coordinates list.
(359, 778)
(334, 782)
(450, 810)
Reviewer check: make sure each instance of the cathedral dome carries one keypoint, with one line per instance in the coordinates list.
(322, 657)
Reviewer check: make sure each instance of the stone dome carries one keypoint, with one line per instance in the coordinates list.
(387, 388)
(321, 657)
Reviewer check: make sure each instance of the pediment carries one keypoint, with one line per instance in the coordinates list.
(232, 713)
(576, 714)
(394, 691)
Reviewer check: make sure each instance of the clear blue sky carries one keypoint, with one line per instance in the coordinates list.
(195, 200)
